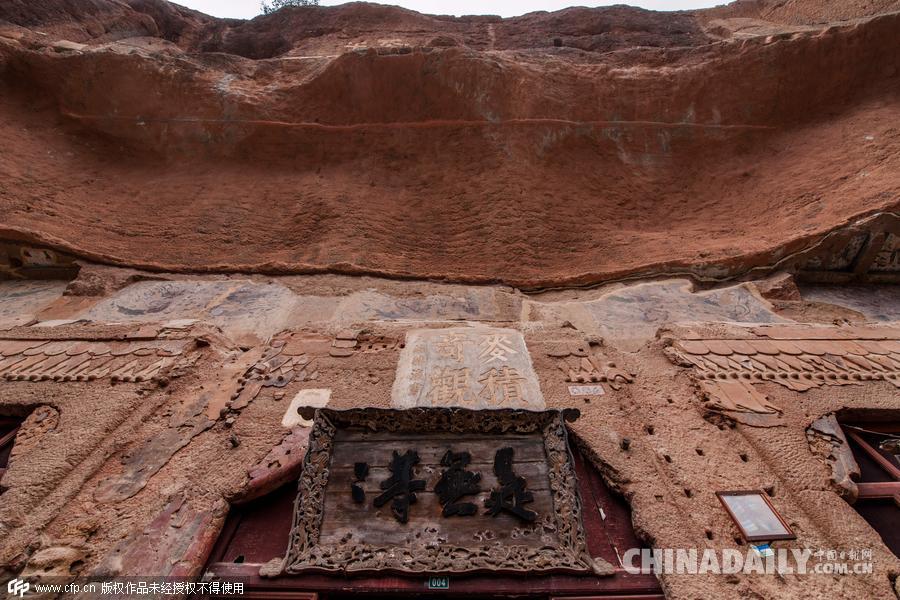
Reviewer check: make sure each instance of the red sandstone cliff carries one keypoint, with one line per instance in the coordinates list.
(548, 149)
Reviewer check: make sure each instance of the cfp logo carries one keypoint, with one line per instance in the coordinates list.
(17, 587)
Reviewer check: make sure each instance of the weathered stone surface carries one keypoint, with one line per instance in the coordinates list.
(737, 396)
(204, 175)
(827, 439)
(147, 459)
(877, 303)
(473, 367)
(243, 309)
(472, 305)
(54, 565)
(68, 46)
(21, 301)
(630, 316)
(584, 363)
(281, 464)
(174, 544)
(282, 361)
(779, 286)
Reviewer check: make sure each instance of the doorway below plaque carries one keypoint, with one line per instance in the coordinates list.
(257, 532)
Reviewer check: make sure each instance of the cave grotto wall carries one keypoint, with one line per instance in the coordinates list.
(139, 436)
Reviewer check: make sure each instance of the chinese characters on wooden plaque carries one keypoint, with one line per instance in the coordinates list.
(438, 490)
(473, 367)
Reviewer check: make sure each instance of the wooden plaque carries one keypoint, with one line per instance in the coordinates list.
(338, 529)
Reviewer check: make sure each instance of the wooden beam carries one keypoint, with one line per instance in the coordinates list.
(881, 489)
(8, 438)
(877, 456)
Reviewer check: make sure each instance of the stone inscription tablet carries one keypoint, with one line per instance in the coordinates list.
(472, 367)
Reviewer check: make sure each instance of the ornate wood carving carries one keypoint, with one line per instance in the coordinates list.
(561, 548)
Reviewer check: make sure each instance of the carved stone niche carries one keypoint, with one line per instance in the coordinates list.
(343, 523)
(867, 250)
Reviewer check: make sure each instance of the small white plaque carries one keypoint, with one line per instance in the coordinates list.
(304, 398)
(586, 390)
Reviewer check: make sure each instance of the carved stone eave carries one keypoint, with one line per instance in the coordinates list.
(306, 554)
(798, 358)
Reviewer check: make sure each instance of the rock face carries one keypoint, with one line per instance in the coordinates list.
(550, 149)
(210, 229)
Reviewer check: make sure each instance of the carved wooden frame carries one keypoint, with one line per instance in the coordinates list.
(304, 553)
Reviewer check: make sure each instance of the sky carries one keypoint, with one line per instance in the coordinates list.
(247, 9)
